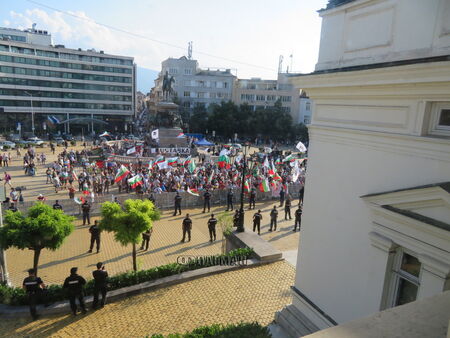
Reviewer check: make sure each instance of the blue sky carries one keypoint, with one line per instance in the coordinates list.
(245, 35)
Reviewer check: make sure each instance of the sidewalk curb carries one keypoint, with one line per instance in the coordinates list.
(9, 311)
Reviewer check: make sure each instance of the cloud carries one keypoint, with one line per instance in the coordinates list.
(6, 23)
(81, 31)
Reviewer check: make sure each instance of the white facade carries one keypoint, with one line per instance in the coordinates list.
(376, 217)
(304, 110)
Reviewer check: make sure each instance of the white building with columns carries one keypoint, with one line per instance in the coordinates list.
(376, 219)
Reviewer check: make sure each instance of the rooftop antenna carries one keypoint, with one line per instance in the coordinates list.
(190, 50)
(292, 57)
(280, 64)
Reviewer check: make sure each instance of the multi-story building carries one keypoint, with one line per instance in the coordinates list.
(194, 86)
(86, 90)
(259, 93)
(376, 216)
(305, 109)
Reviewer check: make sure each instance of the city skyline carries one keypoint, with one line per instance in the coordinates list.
(245, 26)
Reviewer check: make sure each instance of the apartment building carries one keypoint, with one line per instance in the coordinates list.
(86, 90)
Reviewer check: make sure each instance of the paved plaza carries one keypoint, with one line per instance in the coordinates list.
(165, 244)
(248, 294)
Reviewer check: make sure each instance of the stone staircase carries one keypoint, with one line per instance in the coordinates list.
(294, 323)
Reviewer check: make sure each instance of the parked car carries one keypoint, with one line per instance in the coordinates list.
(67, 137)
(14, 137)
(35, 141)
(8, 144)
(58, 140)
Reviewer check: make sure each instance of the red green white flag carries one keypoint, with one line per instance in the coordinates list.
(193, 191)
(264, 186)
(79, 200)
(224, 161)
(246, 187)
(121, 174)
(191, 166)
(172, 161)
(135, 181)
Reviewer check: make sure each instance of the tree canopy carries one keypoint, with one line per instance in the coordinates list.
(128, 223)
(42, 228)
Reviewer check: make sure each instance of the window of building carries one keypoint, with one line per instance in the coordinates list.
(212, 95)
(201, 84)
(271, 98)
(201, 95)
(173, 71)
(439, 122)
(286, 109)
(225, 85)
(307, 120)
(285, 98)
(187, 71)
(260, 97)
(406, 278)
(308, 106)
(444, 118)
(187, 94)
(186, 104)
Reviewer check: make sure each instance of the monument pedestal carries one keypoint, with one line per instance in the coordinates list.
(168, 138)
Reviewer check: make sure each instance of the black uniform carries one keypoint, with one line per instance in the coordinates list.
(152, 199)
(257, 217)
(207, 197)
(287, 209)
(281, 197)
(212, 228)
(273, 219)
(146, 239)
(32, 286)
(57, 206)
(252, 199)
(236, 218)
(86, 208)
(300, 194)
(298, 218)
(12, 207)
(230, 196)
(187, 226)
(177, 204)
(100, 286)
(74, 285)
(95, 237)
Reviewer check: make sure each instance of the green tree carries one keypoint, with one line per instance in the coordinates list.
(128, 223)
(42, 228)
(199, 119)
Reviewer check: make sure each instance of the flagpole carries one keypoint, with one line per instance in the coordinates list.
(240, 225)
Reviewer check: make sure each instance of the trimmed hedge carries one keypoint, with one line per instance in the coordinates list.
(54, 293)
(241, 330)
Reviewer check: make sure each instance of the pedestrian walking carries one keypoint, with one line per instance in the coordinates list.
(207, 201)
(146, 239)
(33, 286)
(287, 208)
(230, 196)
(252, 200)
(100, 285)
(257, 217)
(177, 204)
(95, 231)
(273, 218)
(7, 179)
(86, 209)
(187, 227)
(298, 218)
(74, 286)
(212, 227)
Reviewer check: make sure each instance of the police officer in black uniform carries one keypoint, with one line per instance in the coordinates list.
(146, 239)
(100, 285)
(207, 202)
(151, 198)
(12, 207)
(298, 218)
(177, 204)
(257, 217)
(86, 209)
(74, 285)
(230, 196)
(273, 218)
(187, 227)
(212, 227)
(252, 199)
(282, 193)
(94, 230)
(287, 209)
(57, 206)
(33, 286)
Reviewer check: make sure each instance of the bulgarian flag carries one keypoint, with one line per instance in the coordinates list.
(193, 191)
(191, 166)
(273, 173)
(224, 161)
(289, 158)
(159, 159)
(121, 174)
(181, 135)
(74, 176)
(246, 187)
(79, 200)
(135, 181)
(86, 191)
(264, 186)
(172, 160)
(187, 160)
(278, 161)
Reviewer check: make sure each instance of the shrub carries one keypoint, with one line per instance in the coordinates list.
(73, 143)
(55, 293)
(241, 330)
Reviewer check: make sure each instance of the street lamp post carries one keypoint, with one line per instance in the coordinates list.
(240, 225)
(32, 111)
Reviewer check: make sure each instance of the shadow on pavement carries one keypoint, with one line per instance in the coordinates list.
(46, 265)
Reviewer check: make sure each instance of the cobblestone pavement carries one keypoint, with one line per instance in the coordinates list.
(249, 294)
(165, 244)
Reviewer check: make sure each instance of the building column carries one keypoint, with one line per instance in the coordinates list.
(68, 123)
